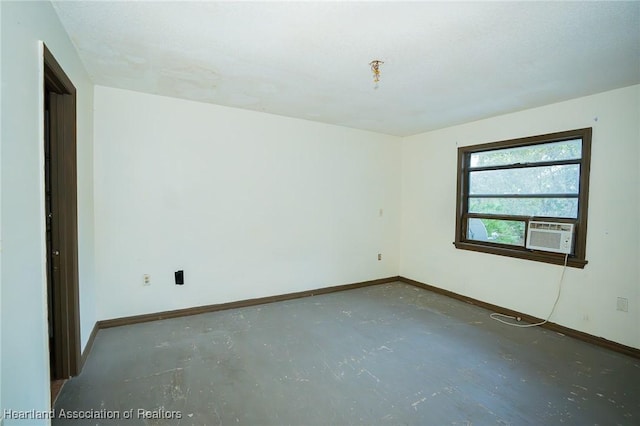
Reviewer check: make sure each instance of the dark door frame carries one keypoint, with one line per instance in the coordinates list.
(62, 218)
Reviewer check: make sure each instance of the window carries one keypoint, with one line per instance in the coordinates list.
(503, 185)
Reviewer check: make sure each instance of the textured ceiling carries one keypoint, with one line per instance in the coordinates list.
(445, 63)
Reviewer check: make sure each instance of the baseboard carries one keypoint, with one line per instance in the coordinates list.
(589, 338)
(117, 322)
(88, 346)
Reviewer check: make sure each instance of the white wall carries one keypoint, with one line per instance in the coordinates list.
(1, 404)
(588, 301)
(25, 356)
(248, 204)
(251, 205)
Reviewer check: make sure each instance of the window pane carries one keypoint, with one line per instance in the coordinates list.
(565, 150)
(552, 207)
(563, 179)
(497, 231)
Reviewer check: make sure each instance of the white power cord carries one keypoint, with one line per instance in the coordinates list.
(498, 317)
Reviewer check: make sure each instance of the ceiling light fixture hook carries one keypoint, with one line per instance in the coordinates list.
(375, 69)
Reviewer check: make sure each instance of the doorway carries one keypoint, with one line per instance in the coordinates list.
(61, 220)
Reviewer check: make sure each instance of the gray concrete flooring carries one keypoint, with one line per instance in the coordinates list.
(390, 354)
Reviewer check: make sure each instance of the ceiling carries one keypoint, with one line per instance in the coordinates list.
(445, 63)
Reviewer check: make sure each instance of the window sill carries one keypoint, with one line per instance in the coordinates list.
(536, 256)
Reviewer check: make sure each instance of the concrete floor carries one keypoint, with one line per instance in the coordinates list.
(384, 355)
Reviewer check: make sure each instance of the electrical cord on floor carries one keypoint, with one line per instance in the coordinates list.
(498, 317)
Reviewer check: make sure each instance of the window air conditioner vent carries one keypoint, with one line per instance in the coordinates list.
(550, 236)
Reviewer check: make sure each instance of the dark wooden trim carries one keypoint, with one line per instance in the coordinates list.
(61, 95)
(55, 77)
(462, 202)
(517, 218)
(580, 240)
(567, 135)
(578, 258)
(525, 165)
(89, 346)
(589, 338)
(117, 322)
(520, 252)
(524, 196)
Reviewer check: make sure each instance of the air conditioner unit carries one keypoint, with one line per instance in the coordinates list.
(550, 236)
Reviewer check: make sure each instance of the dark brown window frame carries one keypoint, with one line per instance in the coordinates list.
(578, 258)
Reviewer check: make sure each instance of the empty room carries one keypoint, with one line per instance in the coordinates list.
(319, 213)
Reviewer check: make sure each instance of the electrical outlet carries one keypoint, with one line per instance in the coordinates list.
(379, 256)
(381, 213)
(623, 304)
(179, 276)
(146, 279)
